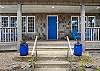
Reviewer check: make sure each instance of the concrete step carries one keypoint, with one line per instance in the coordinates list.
(50, 43)
(45, 55)
(50, 48)
(52, 64)
(52, 69)
(52, 58)
(51, 53)
(53, 47)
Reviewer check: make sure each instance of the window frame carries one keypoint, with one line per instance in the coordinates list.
(33, 22)
(77, 25)
(94, 21)
(8, 21)
(25, 23)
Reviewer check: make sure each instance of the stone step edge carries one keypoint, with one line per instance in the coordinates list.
(42, 69)
(52, 62)
(52, 46)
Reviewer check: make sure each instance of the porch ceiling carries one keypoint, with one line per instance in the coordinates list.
(48, 9)
(52, 2)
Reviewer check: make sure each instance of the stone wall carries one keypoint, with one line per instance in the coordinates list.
(40, 28)
(64, 26)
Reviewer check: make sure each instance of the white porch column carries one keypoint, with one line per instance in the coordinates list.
(19, 23)
(0, 18)
(0, 27)
(0, 23)
(83, 26)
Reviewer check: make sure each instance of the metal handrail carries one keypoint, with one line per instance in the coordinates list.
(71, 51)
(34, 47)
(33, 50)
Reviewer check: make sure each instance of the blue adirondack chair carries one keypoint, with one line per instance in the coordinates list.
(75, 35)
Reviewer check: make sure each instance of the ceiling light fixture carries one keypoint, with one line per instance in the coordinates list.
(97, 7)
(53, 7)
(2, 6)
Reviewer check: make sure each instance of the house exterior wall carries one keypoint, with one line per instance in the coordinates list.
(64, 24)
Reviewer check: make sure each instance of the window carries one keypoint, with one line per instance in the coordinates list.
(28, 24)
(13, 21)
(5, 21)
(75, 23)
(31, 23)
(24, 24)
(8, 31)
(10, 21)
(91, 21)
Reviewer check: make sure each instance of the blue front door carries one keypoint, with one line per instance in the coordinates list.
(52, 27)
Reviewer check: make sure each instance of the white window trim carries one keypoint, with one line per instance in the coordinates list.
(34, 24)
(12, 16)
(8, 20)
(0, 28)
(78, 22)
(25, 23)
(88, 20)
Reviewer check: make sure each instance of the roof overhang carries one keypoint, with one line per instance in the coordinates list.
(51, 2)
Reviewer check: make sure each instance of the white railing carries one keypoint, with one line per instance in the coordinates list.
(92, 34)
(8, 34)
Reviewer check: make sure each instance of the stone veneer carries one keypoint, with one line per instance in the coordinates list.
(64, 26)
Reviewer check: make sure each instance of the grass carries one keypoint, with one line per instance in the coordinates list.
(82, 61)
(97, 69)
